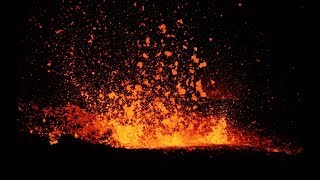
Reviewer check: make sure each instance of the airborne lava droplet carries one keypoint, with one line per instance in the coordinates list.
(199, 89)
(131, 84)
(181, 90)
(148, 41)
(139, 64)
(144, 55)
(163, 28)
(195, 59)
(91, 39)
(58, 31)
(203, 64)
(174, 72)
(195, 49)
(168, 53)
(180, 21)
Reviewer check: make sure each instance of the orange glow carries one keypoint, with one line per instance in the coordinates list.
(195, 59)
(163, 28)
(199, 89)
(132, 130)
(148, 41)
(139, 64)
(152, 102)
(174, 72)
(144, 55)
(204, 64)
(168, 53)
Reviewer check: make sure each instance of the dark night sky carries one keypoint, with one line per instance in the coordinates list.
(267, 31)
(267, 36)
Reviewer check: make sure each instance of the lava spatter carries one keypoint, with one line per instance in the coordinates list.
(131, 82)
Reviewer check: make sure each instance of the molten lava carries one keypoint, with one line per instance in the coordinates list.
(136, 128)
(145, 96)
(158, 111)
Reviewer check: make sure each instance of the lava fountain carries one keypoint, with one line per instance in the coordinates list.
(142, 92)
